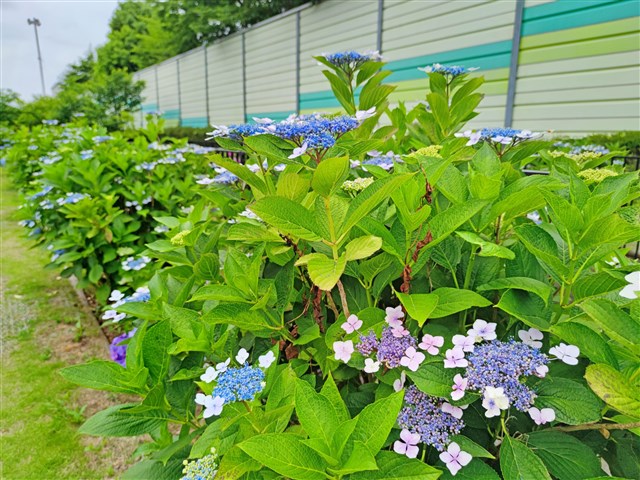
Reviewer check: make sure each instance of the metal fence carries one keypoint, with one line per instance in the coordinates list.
(571, 66)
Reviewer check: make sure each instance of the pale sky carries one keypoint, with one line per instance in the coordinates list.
(69, 28)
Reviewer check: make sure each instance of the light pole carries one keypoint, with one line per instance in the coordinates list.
(36, 23)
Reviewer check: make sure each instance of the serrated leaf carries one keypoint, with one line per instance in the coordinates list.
(541, 289)
(286, 454)
(362, 247)
(419, 305)
(614, 388)
(573, 403)
(330, 175)
(392, 466)
(325, 272)
(566, 457)
(518, 462)
(454, 300)
(287, 216)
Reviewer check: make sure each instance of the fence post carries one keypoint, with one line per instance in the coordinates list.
(244, 80)
(155, 72)
(379, 31)
(298, 62)
(513, 65)
(206, 83)
(179, 94)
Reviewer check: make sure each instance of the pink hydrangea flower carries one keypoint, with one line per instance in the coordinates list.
(407, 447)
(431, 344)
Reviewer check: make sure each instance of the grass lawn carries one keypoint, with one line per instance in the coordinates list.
(43, 328)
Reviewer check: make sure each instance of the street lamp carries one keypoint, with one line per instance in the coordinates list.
(36, 23)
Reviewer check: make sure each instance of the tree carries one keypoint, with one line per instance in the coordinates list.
(10, 106)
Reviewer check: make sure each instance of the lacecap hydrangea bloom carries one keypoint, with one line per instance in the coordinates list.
(233, 384)
(432, 418)
(310, 133)
(132, 263)
(447, 70)
(498, 364)
(500, 136)
(351, 60)
(596, 175)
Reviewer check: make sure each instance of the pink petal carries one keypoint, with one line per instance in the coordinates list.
(399, 447)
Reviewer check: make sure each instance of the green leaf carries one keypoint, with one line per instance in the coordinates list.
(543, 247)
(110, 376)
(329, 175)
(597, 284)
(526, 307)
(207, 267)
(292, 186)
(316, 413)
(222, 293)
(591, 344)
(518, 462)
(285, 454)
(433, 379)
(541, 289)
(616, 323)
(362, 247)
(360, 460)
(566, 457)
(487, 249)
(341, 91)
(331, 392)
(369, 199)
(287, 216)
(476, 470)
(154, 350)
(324, 271)
(240, 171)
(392, 466)
(419, 305)
(375, 421)
(471, 447)
(573, 402)
(454, 300)
(445, 223)
(235, 463)
(113, 422)
(614, 388)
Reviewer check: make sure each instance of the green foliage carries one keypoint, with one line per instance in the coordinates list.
(267, 278)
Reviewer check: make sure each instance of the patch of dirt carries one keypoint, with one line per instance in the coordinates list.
(73, 344)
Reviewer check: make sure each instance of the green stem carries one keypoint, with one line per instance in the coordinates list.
(462, 319)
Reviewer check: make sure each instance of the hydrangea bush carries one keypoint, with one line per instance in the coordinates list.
(329, 311)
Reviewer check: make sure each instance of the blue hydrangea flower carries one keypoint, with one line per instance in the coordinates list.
(382, 160)
(503, 365)
(351, 60)
(499, 136)
(101, 138)
(589, 148)
(389, 349)
(50, 122)
(71, 198)
(239, 384)
(424, 415)
(135, 263)
(86, 154)
(46, 189)
(447, 70)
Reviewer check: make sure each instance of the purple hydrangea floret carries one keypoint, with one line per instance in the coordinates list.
(422, 414)
(119, 352)
(504, 364)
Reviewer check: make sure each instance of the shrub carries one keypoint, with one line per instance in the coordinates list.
(329, 311)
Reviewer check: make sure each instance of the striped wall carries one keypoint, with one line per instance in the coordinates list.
(577, 64)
